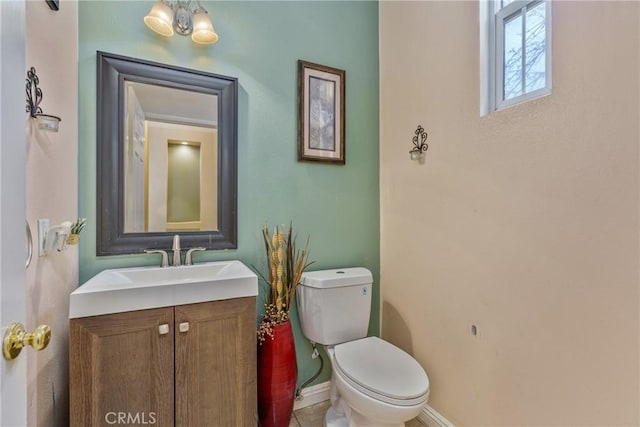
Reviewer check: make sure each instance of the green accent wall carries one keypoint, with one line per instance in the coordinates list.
(260, 43)
(183, 189)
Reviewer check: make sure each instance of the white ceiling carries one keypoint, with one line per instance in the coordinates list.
(176, 105)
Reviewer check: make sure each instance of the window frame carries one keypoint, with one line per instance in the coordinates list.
(496, 19)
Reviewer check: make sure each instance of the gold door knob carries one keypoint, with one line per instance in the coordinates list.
(16, 337)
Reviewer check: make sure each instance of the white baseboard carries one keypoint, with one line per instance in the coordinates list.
(433, 418)
(320, 393)
(312, 395)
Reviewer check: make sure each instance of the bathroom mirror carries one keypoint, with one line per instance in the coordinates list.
(167, 140)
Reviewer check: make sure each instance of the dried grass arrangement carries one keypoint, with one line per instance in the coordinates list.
(286, 263)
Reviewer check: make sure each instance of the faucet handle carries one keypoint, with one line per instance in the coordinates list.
(165, 257)
(187, 258)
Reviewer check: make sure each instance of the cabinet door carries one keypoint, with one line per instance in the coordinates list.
(122, 369)
(216, 364)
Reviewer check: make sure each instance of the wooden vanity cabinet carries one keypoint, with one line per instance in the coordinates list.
(189, 365)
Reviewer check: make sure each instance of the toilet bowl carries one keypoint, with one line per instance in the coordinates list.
(373, 383)
(376, 384)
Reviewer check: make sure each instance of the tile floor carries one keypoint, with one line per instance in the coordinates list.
(312, 416)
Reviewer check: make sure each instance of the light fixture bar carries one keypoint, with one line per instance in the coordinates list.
(167, 18)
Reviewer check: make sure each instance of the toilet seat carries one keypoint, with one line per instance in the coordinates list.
(382, 371)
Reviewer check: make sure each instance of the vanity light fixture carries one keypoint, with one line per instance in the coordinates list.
(167, 17)
(419, 144)
(34, 98)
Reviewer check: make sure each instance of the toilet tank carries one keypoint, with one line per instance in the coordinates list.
(334, 305)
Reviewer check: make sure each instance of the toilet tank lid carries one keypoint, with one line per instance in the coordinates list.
(337, 278)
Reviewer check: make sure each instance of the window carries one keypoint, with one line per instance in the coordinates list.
(519, 51)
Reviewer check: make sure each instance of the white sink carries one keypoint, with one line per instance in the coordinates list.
(129, 289)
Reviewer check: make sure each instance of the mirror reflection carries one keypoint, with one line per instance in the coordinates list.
(170, 159)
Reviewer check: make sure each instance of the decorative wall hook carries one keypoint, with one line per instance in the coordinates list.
(419, 144)
(34, 98)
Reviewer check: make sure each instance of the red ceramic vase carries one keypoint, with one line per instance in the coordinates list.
(277, 376)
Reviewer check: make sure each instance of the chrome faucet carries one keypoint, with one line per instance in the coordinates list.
(176, 251)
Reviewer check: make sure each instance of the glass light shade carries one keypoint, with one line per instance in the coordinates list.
(47, 122)
(203, 31)
(160, 19)
(416, 154)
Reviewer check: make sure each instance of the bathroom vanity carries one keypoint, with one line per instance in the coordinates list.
(136, 357)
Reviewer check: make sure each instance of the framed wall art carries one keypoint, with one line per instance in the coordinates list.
(321, 113)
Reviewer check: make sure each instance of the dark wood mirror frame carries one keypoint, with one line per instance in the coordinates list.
(113, 70)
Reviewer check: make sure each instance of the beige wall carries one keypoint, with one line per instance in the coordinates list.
(524, 222)
(52, 183)
(159, 133)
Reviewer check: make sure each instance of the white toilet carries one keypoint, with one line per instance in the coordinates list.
(373, 382)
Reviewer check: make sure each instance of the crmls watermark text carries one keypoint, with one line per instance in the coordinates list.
(127, 418)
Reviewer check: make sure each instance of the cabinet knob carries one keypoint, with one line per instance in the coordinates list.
(15, 338)
(183, 327)
(163, 329)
